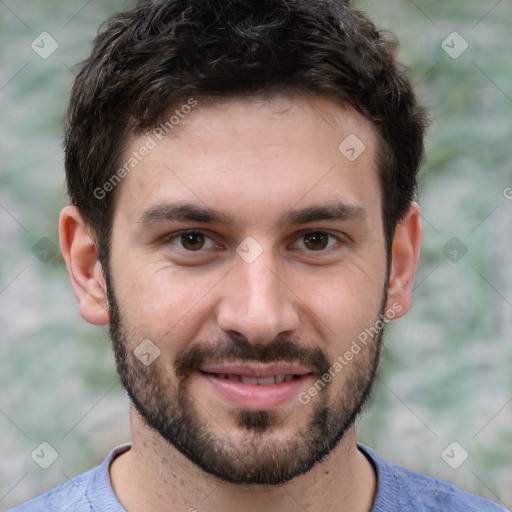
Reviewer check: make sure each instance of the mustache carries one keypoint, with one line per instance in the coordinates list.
(240, 349)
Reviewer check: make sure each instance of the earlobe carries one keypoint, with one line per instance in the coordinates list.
(85, 272)
(405, 256)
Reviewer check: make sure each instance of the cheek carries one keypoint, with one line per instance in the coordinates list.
(165, 303)
(343, 301)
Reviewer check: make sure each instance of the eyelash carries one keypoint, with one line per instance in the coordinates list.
(338, 239)
(178, 235)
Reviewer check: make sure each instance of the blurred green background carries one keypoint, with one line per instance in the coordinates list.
(446, 370)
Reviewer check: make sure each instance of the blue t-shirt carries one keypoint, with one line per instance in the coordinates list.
(399, 490)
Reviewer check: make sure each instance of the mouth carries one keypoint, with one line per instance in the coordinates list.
(256, 387)
(255, 381)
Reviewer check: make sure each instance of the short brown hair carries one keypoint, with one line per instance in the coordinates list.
(164, 52)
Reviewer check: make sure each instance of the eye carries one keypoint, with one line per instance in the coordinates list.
(192, 241)
(316, 241)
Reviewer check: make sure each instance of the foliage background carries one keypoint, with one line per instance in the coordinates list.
(446, 373)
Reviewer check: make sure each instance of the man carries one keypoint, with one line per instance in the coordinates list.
(242, 178)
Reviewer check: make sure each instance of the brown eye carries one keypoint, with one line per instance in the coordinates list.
(192, 247)
(316, 240)
(192, 241)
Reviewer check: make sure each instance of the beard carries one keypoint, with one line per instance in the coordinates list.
(263, 450)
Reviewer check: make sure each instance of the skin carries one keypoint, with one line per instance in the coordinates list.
(257, 161)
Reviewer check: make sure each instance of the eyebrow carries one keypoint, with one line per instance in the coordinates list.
(184, 212)
(203, 214)
(338, 211)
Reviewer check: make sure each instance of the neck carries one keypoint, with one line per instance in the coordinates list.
(154, 476)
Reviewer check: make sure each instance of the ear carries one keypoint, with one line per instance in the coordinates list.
(85, 272)
(404, 261)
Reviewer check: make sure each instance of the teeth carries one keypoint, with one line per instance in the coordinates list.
(253, 381)
(266, 381)
(250, 380)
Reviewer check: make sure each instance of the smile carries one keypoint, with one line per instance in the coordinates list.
(260, 381)
(255, 386)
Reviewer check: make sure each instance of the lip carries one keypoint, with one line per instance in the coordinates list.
(256, 370)
(256, 396)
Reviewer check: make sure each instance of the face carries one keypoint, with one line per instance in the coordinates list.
(247, 258)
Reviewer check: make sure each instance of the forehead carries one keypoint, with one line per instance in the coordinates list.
(254, 158)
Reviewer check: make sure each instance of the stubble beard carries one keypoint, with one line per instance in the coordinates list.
(258, 453)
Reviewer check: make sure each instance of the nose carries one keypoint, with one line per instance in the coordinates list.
(256, 302)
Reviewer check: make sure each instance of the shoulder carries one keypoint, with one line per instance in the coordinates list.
(71, 495)
(88, 492)
(405, 490)
(435, 494)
